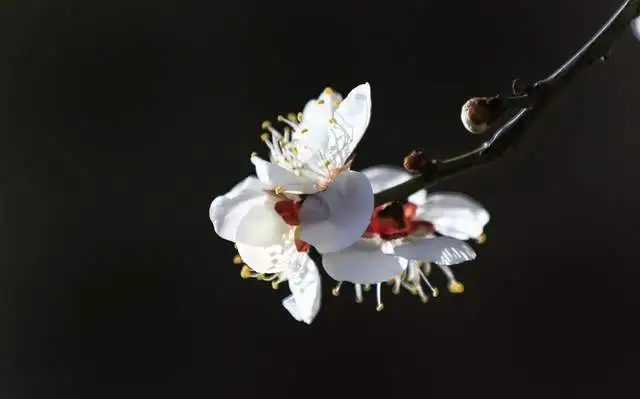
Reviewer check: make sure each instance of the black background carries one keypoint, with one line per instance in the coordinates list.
(121, 120)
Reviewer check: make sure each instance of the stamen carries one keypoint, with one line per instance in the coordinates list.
(265, 124)
(245, 272)
(291, 116)
(482, 238)
(237, 260)
(328, 91)
(254, 154)
(335, 103)
(336, 290)
(275, 285)
(264, 137)
(320, 102)
(434, 291)
(380, 306)
(299, 116)
(359, 293)
(423, 297)
(366, 287)
(278, 190)
(454, 286)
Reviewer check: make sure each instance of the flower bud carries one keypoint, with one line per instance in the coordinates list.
(415, 161)
(479, 113)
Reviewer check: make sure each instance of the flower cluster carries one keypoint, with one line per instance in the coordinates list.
(307, 195)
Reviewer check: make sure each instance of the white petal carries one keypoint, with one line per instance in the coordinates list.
(336, 218)
(304, 282)
(384, 177)
(362, 263)
(314, 127)
(454, 215)
(269, 259)
(444, 251)
(250, 184)
(277, 176)
(353, 115)
(247, 217)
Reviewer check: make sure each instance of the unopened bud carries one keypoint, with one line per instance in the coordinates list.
(479, 113)
(415, 161)
(635, 27)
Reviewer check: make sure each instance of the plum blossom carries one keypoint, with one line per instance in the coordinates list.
(403, 239)
(263, 226)
(313, 159)
(306, 195)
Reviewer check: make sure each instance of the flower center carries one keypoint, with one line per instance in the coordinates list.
(289, 211)
(396, 220)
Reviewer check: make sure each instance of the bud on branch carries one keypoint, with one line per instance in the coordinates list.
(480, 113)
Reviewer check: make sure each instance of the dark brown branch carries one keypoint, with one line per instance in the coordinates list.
(531, 100)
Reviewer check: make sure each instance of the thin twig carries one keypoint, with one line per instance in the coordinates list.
(539, 96)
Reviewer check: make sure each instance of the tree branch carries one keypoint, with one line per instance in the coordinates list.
(531, 100)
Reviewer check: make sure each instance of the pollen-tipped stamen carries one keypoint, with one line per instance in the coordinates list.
(335, 291)
(380, 305)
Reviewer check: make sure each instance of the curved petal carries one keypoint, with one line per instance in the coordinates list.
(454, 215)
(336, 218)
(247, 217)
(304, 282)
(362, 263)
(277, 176)
(383, 177)
(444, 251)
(315, 120)
(250, 184)
(354, 114)
(268, 259)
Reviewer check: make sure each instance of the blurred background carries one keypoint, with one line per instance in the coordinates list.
(121, 120)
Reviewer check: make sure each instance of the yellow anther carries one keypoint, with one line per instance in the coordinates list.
(304, 130)
(292, 117)
(328, 91)
(245, 272)
(266, 124)
(358, 299)
(367, 287)
(435, 292)
(335, 291)
(275, 285)
(294, 150)
(335, 103)
(254, 154)
(391, 281)
(482, 238)
(332, 119)
(326, 163)
(395, 290)
(280, 118)
(413, 291)
(424, 299)
(320, 102)
(379, 307)
(299, 116)
(260, 277)
(456, 287)
(278, 190)
(237, 259)
(264, 137)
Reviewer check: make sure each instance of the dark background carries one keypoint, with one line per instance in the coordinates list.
(121, 120)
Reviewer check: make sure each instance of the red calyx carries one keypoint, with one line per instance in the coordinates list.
(289, 211)
(396, 220)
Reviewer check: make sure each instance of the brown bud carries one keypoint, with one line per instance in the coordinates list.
(415, 161)
(479, 113)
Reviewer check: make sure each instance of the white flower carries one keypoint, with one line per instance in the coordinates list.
(401, 245)
(247, 215)
(316, 160)
(296, 202)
